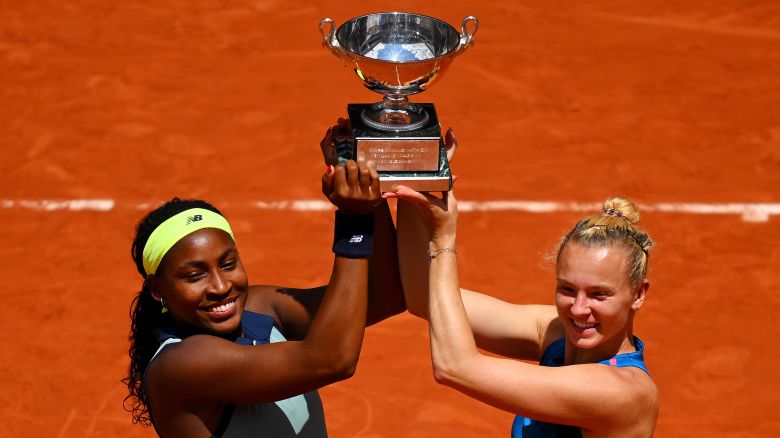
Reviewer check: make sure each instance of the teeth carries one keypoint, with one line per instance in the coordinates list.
(583, 325)
(223, 307)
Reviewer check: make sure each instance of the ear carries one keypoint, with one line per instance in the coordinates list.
(153, 283)
(640, 294)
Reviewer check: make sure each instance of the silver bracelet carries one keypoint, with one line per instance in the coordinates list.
(433, 253)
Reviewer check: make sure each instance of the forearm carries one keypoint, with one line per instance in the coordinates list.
(590, 396)
(412, 246)
(336, 332)
(452, 340)
(385, 294)
(509, 385)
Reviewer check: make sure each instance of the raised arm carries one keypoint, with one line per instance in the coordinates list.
(504, 328)
(590, 396)
(385, 294)
(296, 307)
(210, 369)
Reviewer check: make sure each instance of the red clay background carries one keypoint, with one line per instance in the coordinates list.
(138, 101)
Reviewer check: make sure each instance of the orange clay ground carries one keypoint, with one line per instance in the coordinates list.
(138, 101)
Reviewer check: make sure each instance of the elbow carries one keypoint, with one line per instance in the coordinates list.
(418, 311)
(396, 306)
(400, 306)
(339, 366)
(454, 369)
(345, 368)
(444, 374)
(332, 359)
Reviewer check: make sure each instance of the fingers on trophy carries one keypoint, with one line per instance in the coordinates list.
(352, 187)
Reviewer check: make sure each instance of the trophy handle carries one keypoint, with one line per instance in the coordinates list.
(329, 39)
(466, 37)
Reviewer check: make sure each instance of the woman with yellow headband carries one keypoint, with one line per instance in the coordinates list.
(213, 356)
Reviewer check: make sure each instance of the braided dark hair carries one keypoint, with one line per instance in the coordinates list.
(145, 311)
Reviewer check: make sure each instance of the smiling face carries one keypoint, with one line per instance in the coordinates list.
(203, 282)
(594, 296)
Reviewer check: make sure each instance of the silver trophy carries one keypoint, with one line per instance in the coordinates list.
(398, 54)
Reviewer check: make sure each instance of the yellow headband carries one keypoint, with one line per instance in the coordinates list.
(174, 229)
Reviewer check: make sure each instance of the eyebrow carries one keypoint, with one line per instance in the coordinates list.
(603, 287)
(228, 253)
(196, 263)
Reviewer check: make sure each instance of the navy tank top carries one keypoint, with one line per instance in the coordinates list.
(301, 416)
(554, 356)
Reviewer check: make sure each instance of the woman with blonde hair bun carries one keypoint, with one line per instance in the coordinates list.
(593, 381)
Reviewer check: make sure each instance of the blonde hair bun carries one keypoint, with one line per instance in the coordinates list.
(622, 208)
(615, 225)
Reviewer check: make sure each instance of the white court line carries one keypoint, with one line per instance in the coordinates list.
(749, 212)
(61, 204)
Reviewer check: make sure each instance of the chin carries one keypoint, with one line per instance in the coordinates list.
(585, 342)
(225, 328)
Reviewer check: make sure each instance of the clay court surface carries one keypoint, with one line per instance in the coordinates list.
(112, 107)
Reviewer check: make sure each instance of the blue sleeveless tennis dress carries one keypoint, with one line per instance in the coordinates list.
(554, 356)
(301, 416)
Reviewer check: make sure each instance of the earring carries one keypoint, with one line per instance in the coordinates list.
(162, 303)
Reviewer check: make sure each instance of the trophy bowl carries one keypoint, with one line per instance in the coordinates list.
(397, 55)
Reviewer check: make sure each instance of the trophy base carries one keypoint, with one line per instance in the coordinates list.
(413, 158)
(381, 118)
(421, 183)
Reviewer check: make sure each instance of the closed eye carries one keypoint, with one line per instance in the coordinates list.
(566, 290)
(194, 276)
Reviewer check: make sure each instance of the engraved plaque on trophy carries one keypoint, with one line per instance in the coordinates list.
(398, 54)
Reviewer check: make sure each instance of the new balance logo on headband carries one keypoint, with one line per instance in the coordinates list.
(191, 219)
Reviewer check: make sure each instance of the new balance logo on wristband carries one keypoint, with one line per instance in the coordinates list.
(353, 236)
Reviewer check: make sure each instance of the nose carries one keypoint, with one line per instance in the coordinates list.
(580, 306)
(219, 285)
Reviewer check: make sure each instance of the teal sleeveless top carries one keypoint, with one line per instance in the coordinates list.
(554, 356)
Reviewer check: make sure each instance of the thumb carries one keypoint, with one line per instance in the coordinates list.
(414, 197)
(450, 203)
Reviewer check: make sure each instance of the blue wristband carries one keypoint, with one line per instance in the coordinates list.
(354, 235)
